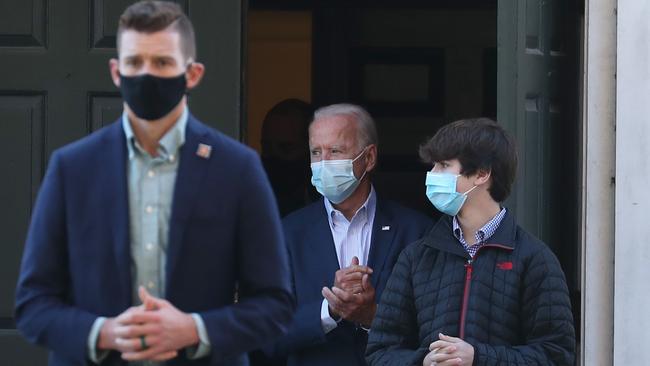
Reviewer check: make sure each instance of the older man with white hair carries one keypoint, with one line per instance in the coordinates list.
(342, 249)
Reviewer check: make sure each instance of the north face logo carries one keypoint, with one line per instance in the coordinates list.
(504, 265)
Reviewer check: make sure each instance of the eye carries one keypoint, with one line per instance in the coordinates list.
(315, 153)
(132, 62)
(161, 62)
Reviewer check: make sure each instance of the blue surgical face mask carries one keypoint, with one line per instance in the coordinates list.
(441, 191)
(335, 179)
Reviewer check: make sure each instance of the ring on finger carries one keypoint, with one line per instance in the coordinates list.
(143, 342)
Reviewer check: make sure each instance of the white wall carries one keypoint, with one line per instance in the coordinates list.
(598, 168)
(632, 226)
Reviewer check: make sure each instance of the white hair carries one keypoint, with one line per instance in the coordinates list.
(366, 130)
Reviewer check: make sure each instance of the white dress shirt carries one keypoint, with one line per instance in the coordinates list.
(351, 239)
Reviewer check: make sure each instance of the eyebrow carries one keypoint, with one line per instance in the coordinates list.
(167, 58)
(139, 57)
(338, 147)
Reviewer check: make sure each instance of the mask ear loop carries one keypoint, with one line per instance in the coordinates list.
(355, 159)
(471, 189)
(361, 153)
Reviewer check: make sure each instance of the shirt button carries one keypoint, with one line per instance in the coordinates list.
(151, 285)
(149, 246)
(172, 158)
(149, 209)
(151, 174)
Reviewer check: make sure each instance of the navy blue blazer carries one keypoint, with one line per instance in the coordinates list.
(224, 229)
(313, 262)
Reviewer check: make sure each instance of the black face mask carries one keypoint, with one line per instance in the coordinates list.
(152, 97)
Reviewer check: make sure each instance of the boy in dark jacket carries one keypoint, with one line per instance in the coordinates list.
(477, 289)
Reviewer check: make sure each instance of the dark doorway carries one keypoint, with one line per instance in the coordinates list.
(417, 65)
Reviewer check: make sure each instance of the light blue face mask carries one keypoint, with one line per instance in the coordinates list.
(335, 179)
(441, 191)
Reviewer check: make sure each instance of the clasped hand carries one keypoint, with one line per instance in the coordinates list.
(156, 324)
(352, 297)
(449, 351)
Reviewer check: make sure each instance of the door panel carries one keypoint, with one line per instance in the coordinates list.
(55, 88)
(537, 94)
(538, 103)
(22, 134)
(23, 24)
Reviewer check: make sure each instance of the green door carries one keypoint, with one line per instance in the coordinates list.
(538, 103)
(55, 88)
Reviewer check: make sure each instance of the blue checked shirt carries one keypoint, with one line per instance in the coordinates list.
(482, 235)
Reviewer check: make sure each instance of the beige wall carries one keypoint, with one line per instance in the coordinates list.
(616, 249)
(598, 169)
(279, 63)
(632, 232)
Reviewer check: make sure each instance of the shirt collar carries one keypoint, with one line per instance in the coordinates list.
(169, 144)
(484, 233)
(365, 209)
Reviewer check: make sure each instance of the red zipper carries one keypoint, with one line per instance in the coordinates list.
(468, 281)
(463, 311)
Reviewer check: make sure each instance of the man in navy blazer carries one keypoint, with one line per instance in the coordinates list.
(342, 249)
(156, 238)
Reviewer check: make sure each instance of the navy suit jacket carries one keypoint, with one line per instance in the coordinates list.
(313, 261)
(224, 229)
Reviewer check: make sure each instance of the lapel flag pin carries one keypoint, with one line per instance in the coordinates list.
(385, 228)
(204, 151)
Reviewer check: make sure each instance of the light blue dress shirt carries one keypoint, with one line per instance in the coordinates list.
(151, 182)
(351, 239)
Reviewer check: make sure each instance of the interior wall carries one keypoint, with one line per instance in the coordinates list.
(464, 35)
(279, 63)
(409, 40)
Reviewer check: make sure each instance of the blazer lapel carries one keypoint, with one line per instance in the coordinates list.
(323, 251)
(194, 161)
(383, 234)
(118, 203)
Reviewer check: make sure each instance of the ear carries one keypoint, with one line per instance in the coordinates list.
(194, 74)
(371, 157)
(114, 67)
(482, 176)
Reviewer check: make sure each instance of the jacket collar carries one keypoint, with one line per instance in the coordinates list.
(442, 237)
(191, 170)
(118, 204)
(322, 243)
(383, 239)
